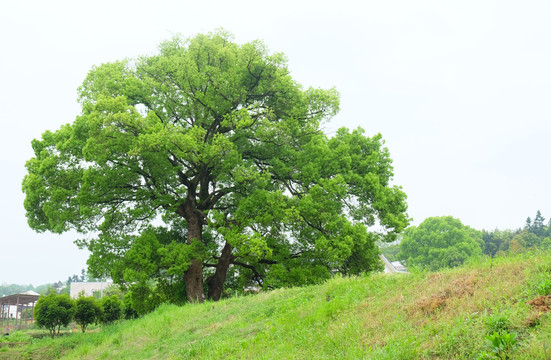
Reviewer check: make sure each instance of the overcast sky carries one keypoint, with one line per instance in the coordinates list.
(460, 91)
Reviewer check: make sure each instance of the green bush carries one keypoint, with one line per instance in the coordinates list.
(544, 287)
(502, 345)
(88, 311)
(53, 311)
(112, 309)
(128, 308)
(497, 323)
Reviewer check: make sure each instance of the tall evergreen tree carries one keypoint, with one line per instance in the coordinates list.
(538, 226)
(528, 224)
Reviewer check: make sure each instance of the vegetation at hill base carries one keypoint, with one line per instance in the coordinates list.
(54, 311)
(491, 308)
(88, 311)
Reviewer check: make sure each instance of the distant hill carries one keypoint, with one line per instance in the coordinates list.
(8, 289)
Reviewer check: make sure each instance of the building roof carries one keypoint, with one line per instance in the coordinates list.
(21, 299)
(392, 267)
(398, 266)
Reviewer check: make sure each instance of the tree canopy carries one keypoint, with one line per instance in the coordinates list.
(112, 309)
(54, 311)
(440, 242)
(208, 157)
(88, 311)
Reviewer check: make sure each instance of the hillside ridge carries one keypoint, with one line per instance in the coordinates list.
(421, 315)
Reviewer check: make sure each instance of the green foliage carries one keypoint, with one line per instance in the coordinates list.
(546, 243)
(8, 289)
(26, 314)
(537, 227)
(113, 289)
(88, 311)
(218, 141)
(544, 286)
(502, 345)
(279, 276)
(440, 242)
(391, 252)
(497, 323)
(497, 241)
(16, 336)
(141, 299)
(534, 235)
(520, 241)
(53, 311)
(112, 309)
(128, 311)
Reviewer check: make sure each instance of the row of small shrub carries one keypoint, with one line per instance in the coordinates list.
(54, 311)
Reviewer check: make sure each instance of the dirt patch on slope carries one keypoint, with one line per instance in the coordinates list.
(458, 288)
(542, 303)
(540, 306)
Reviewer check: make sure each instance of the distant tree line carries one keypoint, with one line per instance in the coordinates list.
(9, 289)
(440, 242)
(59, 287)
(535, 234)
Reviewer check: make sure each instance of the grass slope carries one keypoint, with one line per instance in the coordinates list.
(442, 315)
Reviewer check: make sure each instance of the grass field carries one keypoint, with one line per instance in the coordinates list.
(421, 315)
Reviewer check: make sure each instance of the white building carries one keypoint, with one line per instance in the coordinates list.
(392, 267)
(88, 288)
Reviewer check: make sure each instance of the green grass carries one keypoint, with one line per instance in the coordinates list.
(422, 315)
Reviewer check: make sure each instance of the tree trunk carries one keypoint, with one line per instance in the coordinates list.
(193, 276)
(216, 281)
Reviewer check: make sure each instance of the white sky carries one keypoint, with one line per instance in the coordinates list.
(460, 91)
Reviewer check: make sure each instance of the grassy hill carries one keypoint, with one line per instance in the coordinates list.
(441, 315)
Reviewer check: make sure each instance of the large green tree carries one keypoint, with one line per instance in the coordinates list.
(206, 156)
(440, 242)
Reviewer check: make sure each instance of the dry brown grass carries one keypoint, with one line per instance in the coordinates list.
(541, 303)
(434, 302)
(445, 290)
